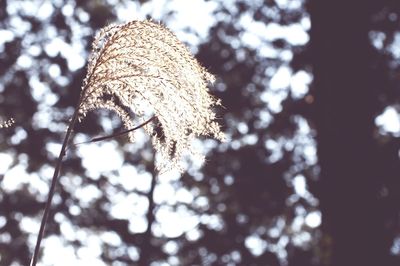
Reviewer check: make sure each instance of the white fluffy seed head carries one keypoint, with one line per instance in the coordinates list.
(139, 69)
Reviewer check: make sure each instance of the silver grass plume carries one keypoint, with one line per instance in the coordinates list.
(139, 69)
(7, 123)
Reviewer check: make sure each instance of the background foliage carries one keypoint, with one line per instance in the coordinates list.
(259, 198)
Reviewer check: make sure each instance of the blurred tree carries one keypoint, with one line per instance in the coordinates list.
(348, 78)
(256, 200)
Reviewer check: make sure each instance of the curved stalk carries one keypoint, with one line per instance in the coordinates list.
(118, 133)
(57, 171)
(53, 186)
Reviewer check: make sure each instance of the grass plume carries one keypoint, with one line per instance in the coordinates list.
(141, 71)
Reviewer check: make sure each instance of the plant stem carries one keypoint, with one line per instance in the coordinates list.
(57, 171)
(53, 186)
(118, 133)
(123, 132)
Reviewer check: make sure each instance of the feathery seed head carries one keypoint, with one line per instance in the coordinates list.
(140, 68)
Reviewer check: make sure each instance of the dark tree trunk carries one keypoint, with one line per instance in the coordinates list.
(346, 102)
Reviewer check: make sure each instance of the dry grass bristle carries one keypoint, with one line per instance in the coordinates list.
(139, 69)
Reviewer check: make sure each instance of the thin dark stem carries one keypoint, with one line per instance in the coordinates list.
(57, 171)
(58, 167)
(52, 188)
(117, 134)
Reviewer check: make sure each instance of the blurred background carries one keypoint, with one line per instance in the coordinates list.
(310, 174)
